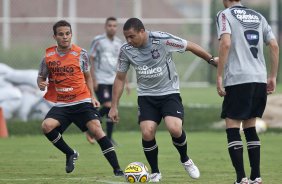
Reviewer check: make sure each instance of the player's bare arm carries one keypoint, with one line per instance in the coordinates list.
(89, 84)
(42, 75)
(224, 47)
(274, 57)
(199, 51)
(95, 84)
(42, 83)
(117, 92)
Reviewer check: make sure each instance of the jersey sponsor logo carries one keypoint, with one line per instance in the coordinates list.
(223, 18)
(58, 70)
(157, 42)
(246, 16)
(59, 81)
(61, 97)
(172, 44)
(64, 89)
(147, 72)
(74, 53)
(155, 54)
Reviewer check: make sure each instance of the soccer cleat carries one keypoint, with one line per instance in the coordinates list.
(118, 172)
(256, 181)
(243, 181)
(70, 161)
(191, 169)
(155, 177)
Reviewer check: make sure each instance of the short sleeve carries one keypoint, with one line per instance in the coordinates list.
(223, 25)
(43, 71)
(84, 61)
(174, 44)
(267, 31)
(123, 62)
(94, 48)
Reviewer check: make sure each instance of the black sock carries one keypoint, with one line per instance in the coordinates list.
(109, 152)
(181, 145)
(104, 111)
(253, 145)
(151, 152)
(56, 138)
(235, 148)
(110, 127)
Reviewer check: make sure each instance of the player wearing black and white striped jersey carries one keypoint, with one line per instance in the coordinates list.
(150, 54)
(242, 33)
(104, 53)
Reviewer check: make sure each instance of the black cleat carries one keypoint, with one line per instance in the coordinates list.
(118, 172)
(70, 161)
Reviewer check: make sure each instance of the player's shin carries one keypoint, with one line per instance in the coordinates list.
(181, 145)
(151, 152)
(109, 152)
(253, 145)
(235, 148)
(56, 138)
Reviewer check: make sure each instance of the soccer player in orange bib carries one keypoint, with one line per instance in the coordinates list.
(70, 87)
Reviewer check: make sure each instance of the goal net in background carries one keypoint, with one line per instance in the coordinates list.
(26, 27)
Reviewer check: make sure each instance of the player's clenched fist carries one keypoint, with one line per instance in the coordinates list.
(43, 85)
(113, 114)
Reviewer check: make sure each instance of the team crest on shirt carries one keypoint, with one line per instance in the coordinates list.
(155, 54)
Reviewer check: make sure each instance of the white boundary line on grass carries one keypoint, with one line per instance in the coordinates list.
(75, 178)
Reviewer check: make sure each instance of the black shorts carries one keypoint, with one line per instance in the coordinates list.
(244, 101)
(79, 114)
(104, 93)
(157, 107)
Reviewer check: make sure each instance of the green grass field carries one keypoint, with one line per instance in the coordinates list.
(32, 159)
(190, 96)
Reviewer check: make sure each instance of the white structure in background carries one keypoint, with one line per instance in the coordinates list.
(19, 94)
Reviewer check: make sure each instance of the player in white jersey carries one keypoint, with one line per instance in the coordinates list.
(150, 54)
(104, 52)
(242, 32)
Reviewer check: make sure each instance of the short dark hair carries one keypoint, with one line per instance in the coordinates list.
(110, 19)
(61, 23)
(134, 23)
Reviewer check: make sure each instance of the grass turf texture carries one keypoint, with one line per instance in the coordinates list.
(32, 159)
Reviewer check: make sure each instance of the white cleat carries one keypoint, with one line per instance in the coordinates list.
(155, 177)
(191, 169)
(256, 181)
(243, 181)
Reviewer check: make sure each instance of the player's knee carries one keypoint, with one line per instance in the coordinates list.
(148, 134)
(95, 128)
(175, 132)
(47, 126)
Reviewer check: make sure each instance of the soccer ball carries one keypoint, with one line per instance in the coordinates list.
(261, 126)
(136, 172)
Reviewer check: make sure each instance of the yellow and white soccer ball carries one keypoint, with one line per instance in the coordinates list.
(136, 172)
(261, 126)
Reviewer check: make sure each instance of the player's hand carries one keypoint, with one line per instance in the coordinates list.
(95, 102)
(271, 85)
(215, 62)
(113, 114)
(127, 88)
(220, 90)
(43, 85)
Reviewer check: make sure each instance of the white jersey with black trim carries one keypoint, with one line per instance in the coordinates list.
(248, 30)
(155, 70)
(105, 53)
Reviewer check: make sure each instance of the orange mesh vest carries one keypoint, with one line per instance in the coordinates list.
(66, 79)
